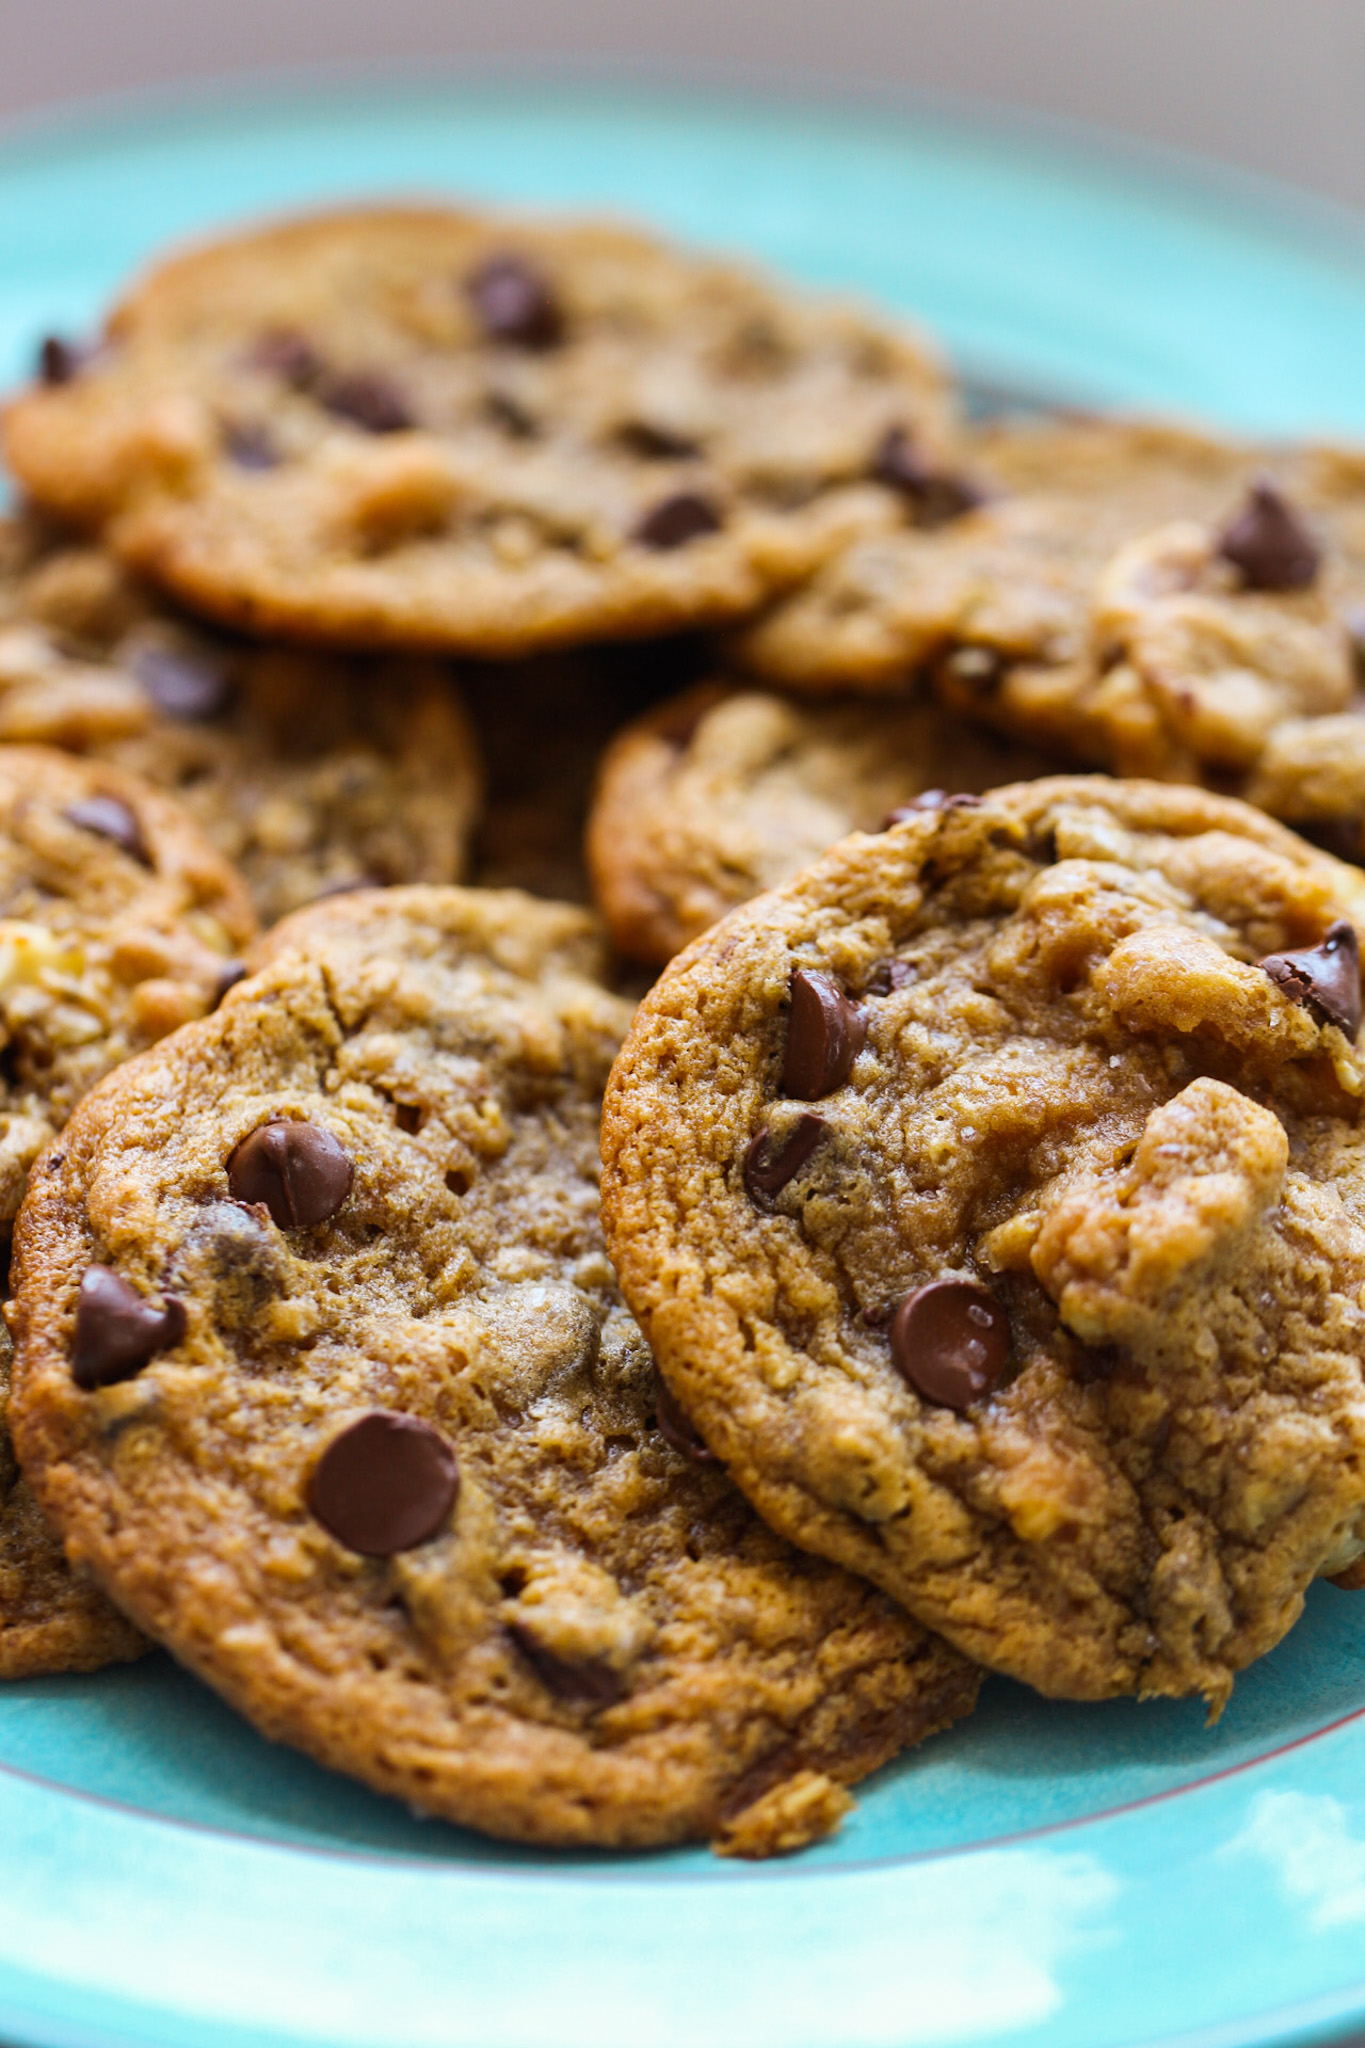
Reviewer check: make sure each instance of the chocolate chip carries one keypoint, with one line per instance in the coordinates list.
(825, 1034)
(288, 355)
(654, 443)
(937, 495)
(1269, 543)
(889, 975)
(586, 1681)
(298, 1170)
(192, 688)
(676, 1430)
(229, 974)
(250, 445)
(61, 361)
(385, 1484)
(767, 1169)
(368, 399)
(951, 1341)
(931, 800)
(1325, 978)
(118, 1330)
(675, 521)
(515, 303)
(113, 819)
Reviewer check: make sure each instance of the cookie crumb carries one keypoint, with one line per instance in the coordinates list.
(789, 1816)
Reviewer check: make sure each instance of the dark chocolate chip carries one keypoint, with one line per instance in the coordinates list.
(1325, 978)
(112, 819)
(768, 1167)
(676, 1430)
(586, 1682)
(1269, 543)
(951, 1341)
(889, 975)
(368, 399)
(250, 445)
(61, 361)
(825, 1034)
(931, 800)
(385, 1484)
(190, 687)
(937, 495)
(229, 974)
(299, 1171)
(118, 1330)
(515, 303)
(654, 443)
(675, 521)
(288, 355)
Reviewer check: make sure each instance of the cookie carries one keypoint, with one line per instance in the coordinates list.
(340, 1400)
(433, 429)
(310, 772)
(993, 1196)
(726, 791)
(119, 923)
(1138, 598)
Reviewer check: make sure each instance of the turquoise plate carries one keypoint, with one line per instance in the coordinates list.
(1086, 1877)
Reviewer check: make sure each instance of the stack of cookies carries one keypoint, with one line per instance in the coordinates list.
(609, 1414)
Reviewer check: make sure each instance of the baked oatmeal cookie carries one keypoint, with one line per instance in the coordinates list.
(726, 791)
(310, 772)
(444, 430)
(993, 1196)
(323, 1371)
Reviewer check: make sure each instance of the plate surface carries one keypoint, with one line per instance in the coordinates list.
(1085, 1877)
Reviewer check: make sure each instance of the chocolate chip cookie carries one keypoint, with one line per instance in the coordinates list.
(432, 429)
(323, 1372)
(117, 923)
(310, 772)
(993, 1196)
(726, 791)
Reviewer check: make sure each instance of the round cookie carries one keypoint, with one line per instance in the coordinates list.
(309, 772)
(339, 1399)
(993, 1196)
(117, 923)
(726, 791)
(426, 428)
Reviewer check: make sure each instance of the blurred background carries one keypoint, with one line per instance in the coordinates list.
(1272, 85)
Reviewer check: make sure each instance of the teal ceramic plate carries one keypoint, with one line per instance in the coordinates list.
(1093, 1877)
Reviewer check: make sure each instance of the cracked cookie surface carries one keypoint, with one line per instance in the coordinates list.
(310, 772)
(992, 1195)
(432, 429)
(726, 791)
(548, 1618)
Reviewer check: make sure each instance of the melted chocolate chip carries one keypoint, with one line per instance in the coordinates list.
(112, 819)
(889, 975)
(299, 1171)
(586, 1682)
(368, 399)
(931, 800)
(768, 1168)
(676, 1430)
(825, 1034)
(951, 1341)
(938, 495)
(387, 1483)
(250, 445)
(192, 688)
(288, 355)
(515, 303)
(675, 521)
(1269, 543)
(1325, 978)
(61, 361)
(118, 1330)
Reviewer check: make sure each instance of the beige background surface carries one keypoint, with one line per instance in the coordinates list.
(1277, 85)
